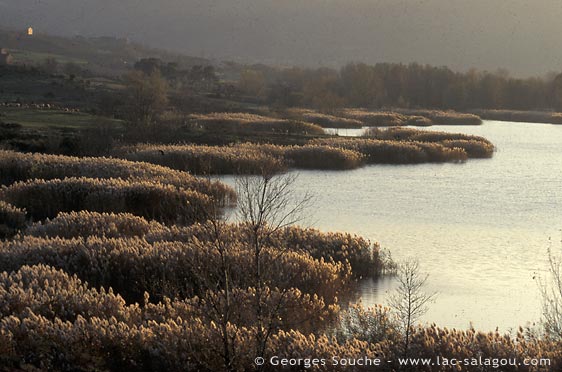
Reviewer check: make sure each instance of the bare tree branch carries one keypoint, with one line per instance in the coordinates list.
(410, 301)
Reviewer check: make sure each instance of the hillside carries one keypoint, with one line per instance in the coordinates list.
(101, 55)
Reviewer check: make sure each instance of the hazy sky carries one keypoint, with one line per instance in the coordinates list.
(524, 36)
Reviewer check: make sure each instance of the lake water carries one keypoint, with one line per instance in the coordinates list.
(480, 229)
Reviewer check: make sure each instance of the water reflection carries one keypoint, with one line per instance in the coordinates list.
(375, 291)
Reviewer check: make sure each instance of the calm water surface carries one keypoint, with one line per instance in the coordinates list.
(480, 229)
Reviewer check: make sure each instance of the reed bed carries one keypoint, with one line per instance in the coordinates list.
(12, 220)
(123, 319)
(412, 134)
(449, 117)
(243, 122)
(245, 158)
(365, 258)
(397, 152)
(418, 121)
(173, 269)
(201, 159)
(323, 157)
(402, 117)
(474, 149)
(375, 118)
(44, 310)
(17, 166)
(475, 146)
(322, 119)
(546, 117)
(86, 223)
(154, 201)
(64, 297)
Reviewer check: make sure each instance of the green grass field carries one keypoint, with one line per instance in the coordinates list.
(37, 119)
(34, 58)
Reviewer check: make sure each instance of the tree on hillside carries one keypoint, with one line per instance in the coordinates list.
(50, 65)
(147, 97)
(73, 69)
(149, 65)
(252, 83)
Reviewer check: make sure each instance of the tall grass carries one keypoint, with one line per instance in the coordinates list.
(401, 117)
(418, 121)
(245, 158)
(547, 117)
(165, 203)
(17, 166)
(365, 258)
(322, 157)
(133, 266)
(243, 122)
(12, 220)
(397, 152)
(449, 117)
(86, 223)
(201, 159)
(475, 146)
(64, 297)
(375, 118)
(322, 119)
(51, 320)
(142, 302)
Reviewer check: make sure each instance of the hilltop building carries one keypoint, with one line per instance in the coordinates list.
(5, 57)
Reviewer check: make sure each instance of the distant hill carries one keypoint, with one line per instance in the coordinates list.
(102, 55)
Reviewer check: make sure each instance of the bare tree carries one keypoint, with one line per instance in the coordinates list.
(551, 291)
(410, 301)
(218, 296)
(266, 204)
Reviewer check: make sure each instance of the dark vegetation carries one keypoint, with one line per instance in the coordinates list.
(98, 55)
(547, 117)
(436, 117)
(63, 107)
(411, 86)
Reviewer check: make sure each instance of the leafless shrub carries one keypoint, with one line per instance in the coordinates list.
(410, 301)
